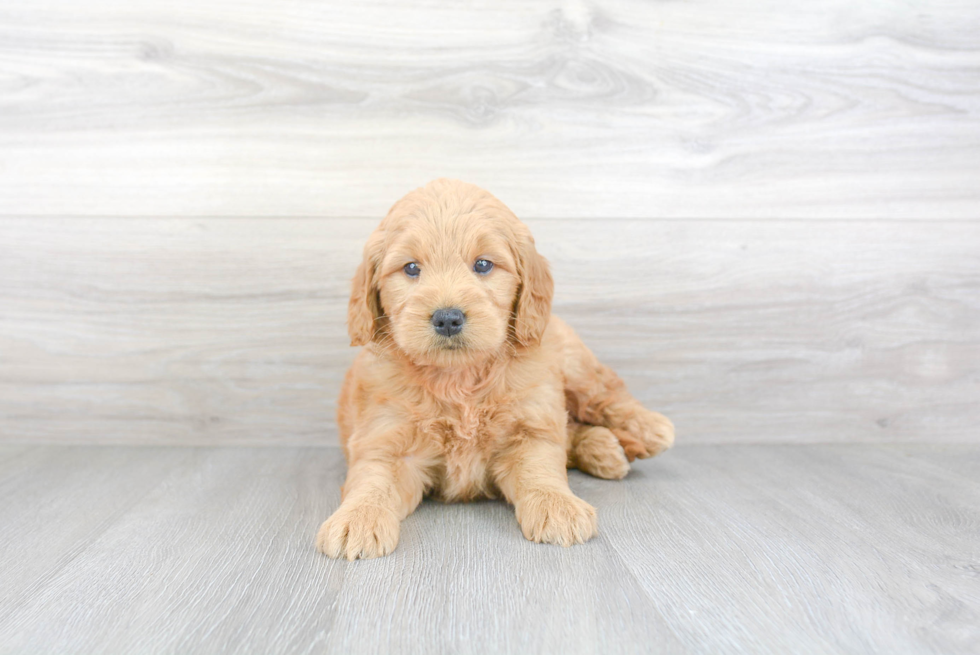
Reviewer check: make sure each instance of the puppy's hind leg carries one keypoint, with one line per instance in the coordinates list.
(596, 451)
(595, 395)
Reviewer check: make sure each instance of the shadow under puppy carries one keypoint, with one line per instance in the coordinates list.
(468, 387)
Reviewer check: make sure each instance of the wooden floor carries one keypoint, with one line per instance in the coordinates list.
(708, 549)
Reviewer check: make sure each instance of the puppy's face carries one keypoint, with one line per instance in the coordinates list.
(448, 288)
(451, 277)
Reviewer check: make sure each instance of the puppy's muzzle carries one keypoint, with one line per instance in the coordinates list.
(448, 322)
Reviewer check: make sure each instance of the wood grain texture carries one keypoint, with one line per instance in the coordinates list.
(56, 502)
(755, 549)
(564, 109)
(233, 331)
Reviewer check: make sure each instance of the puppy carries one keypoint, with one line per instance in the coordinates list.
(468, 387)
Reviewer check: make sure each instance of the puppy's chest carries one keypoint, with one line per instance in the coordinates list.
(466, 438)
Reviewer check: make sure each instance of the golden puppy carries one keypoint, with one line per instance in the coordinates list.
(468, 387)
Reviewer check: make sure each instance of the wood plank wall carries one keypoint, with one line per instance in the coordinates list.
(766, 215)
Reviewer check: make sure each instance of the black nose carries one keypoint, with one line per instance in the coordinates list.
(448, 322)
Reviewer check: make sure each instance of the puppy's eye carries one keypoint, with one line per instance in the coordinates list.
(483, 266)
(412, 269)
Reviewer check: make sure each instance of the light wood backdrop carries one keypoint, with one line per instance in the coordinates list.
(763, 214)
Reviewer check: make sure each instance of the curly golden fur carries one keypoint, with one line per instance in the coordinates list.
(502, 408)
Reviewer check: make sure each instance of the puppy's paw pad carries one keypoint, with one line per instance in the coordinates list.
(554, 517)
(361, 531)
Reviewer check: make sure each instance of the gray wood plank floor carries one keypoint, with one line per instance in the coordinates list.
(739, 548)
(232, 331)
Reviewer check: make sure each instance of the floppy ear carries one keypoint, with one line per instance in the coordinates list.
(532, 309)
(364, 308)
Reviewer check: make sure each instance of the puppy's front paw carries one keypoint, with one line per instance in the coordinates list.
(555, 517)
(643, 433)
(358, 531)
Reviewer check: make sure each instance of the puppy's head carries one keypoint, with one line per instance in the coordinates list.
(451, 276)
